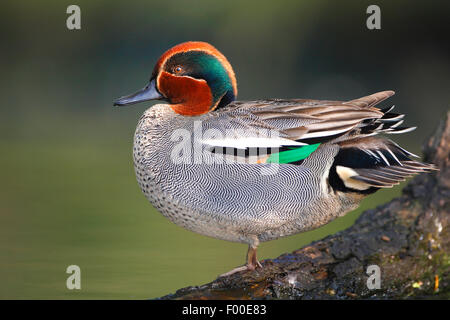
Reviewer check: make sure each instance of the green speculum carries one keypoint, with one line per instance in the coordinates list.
(293, 155)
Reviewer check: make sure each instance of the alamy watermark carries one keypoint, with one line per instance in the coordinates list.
(73, 21)
(374, 280)
(74, 280)
(213, 146)
(373, 22)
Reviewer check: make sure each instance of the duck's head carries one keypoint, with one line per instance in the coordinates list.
(193, 77)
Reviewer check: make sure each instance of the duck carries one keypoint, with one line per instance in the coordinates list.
(255, 171)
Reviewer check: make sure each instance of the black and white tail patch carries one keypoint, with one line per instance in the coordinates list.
(383, 165)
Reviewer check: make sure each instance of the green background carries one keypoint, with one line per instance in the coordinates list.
(68, 194)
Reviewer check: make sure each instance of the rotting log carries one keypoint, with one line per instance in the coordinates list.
(408, 238)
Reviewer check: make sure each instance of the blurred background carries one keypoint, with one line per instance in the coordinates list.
(68, 193)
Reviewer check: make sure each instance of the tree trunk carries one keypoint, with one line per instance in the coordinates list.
(407, 238)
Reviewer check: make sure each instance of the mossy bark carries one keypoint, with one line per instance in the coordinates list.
(408, 238)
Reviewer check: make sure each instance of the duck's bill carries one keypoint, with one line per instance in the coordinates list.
(145, 94)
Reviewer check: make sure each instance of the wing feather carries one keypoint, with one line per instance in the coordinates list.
(298, 122)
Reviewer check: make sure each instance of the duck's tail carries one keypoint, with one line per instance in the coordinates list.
(366, 164)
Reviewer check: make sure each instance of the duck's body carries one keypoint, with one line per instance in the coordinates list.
(233, 201)
(260, 170)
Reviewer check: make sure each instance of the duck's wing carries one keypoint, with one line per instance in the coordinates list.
(289, 123)
(296, 128)
(316, 121)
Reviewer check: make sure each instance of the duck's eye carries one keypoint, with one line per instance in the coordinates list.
(178, 69)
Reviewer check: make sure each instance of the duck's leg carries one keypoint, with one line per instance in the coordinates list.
(252, 262)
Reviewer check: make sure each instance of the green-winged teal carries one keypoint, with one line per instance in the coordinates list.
(253, 171)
